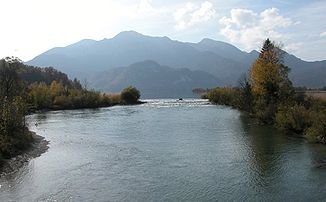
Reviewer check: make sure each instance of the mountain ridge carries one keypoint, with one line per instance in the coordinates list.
(153, 80)
(220, 59)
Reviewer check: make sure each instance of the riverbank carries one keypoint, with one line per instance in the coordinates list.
(215, 149)
(38, 146)
(36, 149)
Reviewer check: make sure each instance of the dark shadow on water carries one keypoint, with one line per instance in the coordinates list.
(266, 148)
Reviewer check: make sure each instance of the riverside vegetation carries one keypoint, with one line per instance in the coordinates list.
(267, 94)
(25, 89)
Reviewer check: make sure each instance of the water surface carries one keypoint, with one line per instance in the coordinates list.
(165, 150)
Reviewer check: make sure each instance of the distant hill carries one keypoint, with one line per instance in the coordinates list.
(222, 60)
(153, 80)
(30, 74)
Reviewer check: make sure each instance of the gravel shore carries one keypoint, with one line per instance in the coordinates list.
(38, 147)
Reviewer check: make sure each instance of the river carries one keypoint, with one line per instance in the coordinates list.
(166, 150)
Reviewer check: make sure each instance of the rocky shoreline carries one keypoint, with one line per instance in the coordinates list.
(38, 147)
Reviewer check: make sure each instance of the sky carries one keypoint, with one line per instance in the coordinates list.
(30, 27)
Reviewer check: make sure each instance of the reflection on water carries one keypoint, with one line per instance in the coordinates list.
(165, 150)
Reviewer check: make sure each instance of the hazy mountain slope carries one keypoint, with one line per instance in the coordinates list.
(224, 61)
(154, 80)
(130, 47)
(303, 73)
(220, 48)
(310, 74)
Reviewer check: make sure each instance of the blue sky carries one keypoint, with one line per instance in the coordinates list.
(34, 26)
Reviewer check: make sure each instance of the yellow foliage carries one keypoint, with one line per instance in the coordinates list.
(263, 75)
(56, 89)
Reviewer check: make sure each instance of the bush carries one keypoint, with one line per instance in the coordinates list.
(224, 96)
(12, 114)
(317, 131)
(130, 95)
(62, 102)
(13, 144)
(293, 119)
(111, 99)
(264, 111)
(13, 132)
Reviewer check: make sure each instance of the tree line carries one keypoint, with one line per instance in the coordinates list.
(267, 94)
(25, 89)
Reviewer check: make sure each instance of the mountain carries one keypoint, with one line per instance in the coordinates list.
(126, 48)
(222, 60)
(303, 73)
(154, 80)
(226, 50)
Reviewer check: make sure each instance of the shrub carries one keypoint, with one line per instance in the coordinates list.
(13, 132)
(224, 96)
(264, 111)
(130, 95)
(91, 99)
(111, 99)
(317, 131)
(62, 102)
(115, 98)
(293, 119)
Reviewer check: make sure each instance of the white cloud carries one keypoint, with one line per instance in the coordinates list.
(323, 34)
(293, 47)
(240, 17)
(145, 8)
(272, 19)
(249, 29)
(192, 14)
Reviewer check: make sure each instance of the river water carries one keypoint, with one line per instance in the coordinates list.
(166, 150)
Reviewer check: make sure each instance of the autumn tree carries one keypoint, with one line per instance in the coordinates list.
(269, 76)
(40, 95)
(57, 89)
(269, 80)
